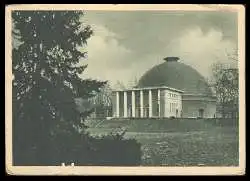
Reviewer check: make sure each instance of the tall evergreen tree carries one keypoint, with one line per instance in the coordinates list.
(46, 79)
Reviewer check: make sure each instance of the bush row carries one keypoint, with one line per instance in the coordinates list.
(103, 151)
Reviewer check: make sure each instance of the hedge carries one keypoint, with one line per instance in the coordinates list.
(102, 151)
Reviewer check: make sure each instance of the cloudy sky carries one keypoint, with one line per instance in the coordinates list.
(126, 44)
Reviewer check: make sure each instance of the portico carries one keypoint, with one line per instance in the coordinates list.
(144, 102)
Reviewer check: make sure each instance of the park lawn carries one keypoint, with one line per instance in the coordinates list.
(211, 146)
(217, 147)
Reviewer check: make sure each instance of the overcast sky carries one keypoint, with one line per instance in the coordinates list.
(126, 44)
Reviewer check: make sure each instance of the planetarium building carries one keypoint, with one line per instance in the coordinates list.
(171, 89)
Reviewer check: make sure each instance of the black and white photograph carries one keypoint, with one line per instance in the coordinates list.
(125, 86)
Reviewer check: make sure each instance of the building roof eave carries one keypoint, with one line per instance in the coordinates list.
(150, 88)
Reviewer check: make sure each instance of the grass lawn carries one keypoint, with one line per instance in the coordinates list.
(211, 146)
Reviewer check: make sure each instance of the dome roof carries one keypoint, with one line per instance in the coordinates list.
(177, 75)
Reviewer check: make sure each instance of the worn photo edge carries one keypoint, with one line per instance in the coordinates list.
(30, 170)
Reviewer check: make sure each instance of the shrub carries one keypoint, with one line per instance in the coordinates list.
(112, 150)
(83, 150)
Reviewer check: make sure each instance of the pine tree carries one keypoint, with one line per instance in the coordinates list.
(46, 79)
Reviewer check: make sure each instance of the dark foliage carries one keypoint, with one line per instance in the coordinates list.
(48, 129)
(105, 151)
(46, 79)
(110, 150)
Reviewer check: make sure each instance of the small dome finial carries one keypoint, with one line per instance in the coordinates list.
(171, 59)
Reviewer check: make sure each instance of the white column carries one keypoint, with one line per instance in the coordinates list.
(117, 104)
(159, 102)
(133, 103)
(166, 104)
(150, 102)
(141, 103)
(125, 105)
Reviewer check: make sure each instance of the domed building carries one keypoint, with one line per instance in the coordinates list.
(171, 89)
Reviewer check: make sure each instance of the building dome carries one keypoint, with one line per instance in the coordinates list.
(177, 75)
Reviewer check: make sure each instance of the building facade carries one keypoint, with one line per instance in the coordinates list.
(171, 89)
(198, 106)
(150, 102)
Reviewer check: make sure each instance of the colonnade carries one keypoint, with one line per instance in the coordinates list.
(133, 103)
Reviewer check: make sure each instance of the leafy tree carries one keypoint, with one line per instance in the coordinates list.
(46, 80)
(100, 104)
(226, 85)
(104, 96)
(103, 102)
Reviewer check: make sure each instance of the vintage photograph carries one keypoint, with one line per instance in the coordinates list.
(125, 88)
